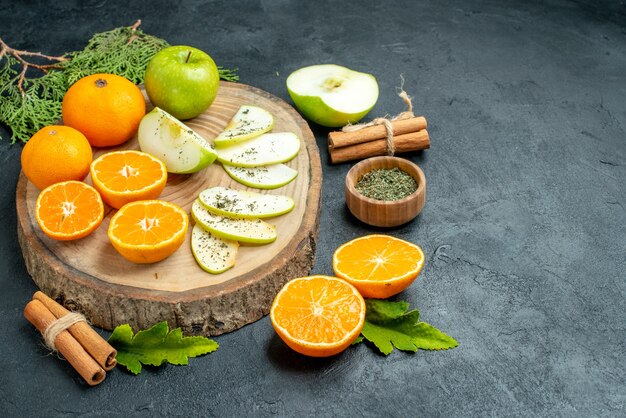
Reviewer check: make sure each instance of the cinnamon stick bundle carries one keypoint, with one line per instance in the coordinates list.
(409, 134)
(92, 342)
(89, 354)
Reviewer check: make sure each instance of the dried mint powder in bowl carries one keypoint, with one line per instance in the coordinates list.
(386, 184)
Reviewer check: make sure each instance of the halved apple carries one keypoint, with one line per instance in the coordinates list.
(171, 141)
(248, 122)
(264, 177)
(242, 204)
(253, 231)
(213, 254)
(267, 149)
(332, 95)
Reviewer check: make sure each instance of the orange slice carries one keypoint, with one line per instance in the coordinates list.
(379, 266)
(127, 176)
(318, 316)
(69, 210)
(148, 231)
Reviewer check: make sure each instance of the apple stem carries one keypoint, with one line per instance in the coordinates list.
(188, 56)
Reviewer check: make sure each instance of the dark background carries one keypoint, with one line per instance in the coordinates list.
(524, 226)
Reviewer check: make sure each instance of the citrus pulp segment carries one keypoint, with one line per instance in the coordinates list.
(126, 176)
(148, 231)
(318, 316)
(379, 266)
(69, 210)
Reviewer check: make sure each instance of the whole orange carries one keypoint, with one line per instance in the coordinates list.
(106, 108)
(55, 154)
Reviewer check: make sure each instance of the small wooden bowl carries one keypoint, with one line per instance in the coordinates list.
(380, 212)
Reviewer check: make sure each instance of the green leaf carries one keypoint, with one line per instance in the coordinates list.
(388, 325)
(156, 345)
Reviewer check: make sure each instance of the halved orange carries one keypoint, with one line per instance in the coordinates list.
(379, 266)
(127, 176)
(148, 231)
(69, 210)
(318, 316)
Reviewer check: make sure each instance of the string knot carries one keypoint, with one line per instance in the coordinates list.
(55, 328)
(386, 121)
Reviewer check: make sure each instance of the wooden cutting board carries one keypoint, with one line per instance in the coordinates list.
(89, 276)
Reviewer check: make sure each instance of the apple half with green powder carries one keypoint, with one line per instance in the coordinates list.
(182, 80)
(181, 149)
(331, 95)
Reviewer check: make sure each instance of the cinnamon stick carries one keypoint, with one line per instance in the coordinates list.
(37, 314)
(403, 143)
(341, 139)
(92, 342)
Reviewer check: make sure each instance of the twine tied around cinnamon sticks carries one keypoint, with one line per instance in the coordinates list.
(391, 149)
(69, 334)
(58, 326)
(382, 136)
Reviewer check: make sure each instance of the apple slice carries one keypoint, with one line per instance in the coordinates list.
(267, 149)
(178, 146)
(253, 231)
(332, 95)
(248, 122)
(267, 177)
(241, 204)
(213, 254)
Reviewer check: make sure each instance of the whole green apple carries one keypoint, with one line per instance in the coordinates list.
(182, 80)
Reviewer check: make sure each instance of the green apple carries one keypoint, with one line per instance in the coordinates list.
(171, 141)
(332, 95)
(212, 254)
(182, 80)
(264, 177)
(242, 204)
(248, 122)
(267, 149)
(252, 231)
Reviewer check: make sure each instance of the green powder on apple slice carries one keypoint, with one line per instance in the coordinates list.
(265, 177)
(213, 254)
(253, 231)
(267, 149)
(242, 204)
(248, 122)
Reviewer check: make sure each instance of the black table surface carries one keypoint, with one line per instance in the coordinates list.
(524, 227)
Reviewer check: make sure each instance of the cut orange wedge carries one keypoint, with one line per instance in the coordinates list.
(127, 176)
(148, 231)
(69, 210)
(379, 266)
(318, 316)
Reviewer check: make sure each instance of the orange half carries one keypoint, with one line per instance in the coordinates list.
(148, 231)
(69, 210)
(379, 266)
(126, 176)
(318, 316)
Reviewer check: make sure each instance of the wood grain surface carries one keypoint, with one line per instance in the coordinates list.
(88, 275)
